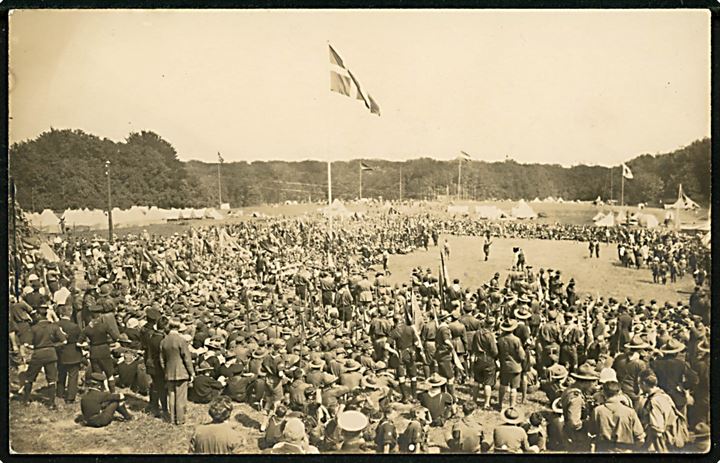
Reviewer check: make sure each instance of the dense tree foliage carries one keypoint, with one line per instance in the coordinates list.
(64, 168)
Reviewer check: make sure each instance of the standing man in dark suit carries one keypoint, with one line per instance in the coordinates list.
(100, 335)
(153, 334)
(69, 357)
(176, 361)
(45, 337)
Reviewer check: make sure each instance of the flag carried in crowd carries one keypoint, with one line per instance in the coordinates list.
(344, 82)
(627, 173)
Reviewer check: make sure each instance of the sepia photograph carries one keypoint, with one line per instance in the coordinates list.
(359, 231)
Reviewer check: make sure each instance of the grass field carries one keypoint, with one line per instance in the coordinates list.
(604, 275)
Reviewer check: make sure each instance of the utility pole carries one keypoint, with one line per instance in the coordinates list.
(109, 202)
(221, 160)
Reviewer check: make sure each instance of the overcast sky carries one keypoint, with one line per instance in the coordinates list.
(596, 87)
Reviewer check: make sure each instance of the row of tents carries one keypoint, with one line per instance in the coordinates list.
(96, 219)
(635, 218)
(521, 210)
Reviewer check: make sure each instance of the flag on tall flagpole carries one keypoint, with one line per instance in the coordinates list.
(220, 158)
(344, 82)
(364, 166)
(627, 173)
(464, 156)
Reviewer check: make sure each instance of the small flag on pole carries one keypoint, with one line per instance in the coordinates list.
(364, 166)
(220, 158)
(627, 173)
(464, 156)
(344, 82)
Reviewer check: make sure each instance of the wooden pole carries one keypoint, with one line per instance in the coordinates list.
(459, 179)
(109, 202)
(219, 186)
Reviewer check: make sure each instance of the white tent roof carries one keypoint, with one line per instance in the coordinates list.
(706, 240)
(95, 219)
(455, 209)
(647, 220)
(598, 216)
(489, 212)
(536, 200)
(523, 211)
(606, 221)
(211, 213)
(336, 209)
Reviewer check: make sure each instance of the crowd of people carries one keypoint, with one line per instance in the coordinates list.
(302, 324)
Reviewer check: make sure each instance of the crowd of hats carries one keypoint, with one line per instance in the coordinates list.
(202, 287)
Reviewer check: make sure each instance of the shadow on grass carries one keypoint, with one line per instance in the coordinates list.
(135, 403)
(247, 421)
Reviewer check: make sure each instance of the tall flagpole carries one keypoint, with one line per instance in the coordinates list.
(622, 189)
(109, 202)
(361, 169)
(219, 184)
(329, 180)
(400, 183)
(677, 207)
(459, 177)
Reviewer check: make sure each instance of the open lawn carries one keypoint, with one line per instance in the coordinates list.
(36, 430)
(604, 275)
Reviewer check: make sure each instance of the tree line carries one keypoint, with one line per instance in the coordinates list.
(62, 169)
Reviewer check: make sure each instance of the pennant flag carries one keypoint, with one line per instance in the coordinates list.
(344, 82)
(627, 173)
(220, 158)
(364, 166)
(464, 156)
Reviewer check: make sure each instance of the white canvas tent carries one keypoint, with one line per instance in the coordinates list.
(489, 212)
(336, 209)
(647, 220)
(46, 221)
(683, 202)
(95, 219)
(536, 200)
(464, 210)
(706, 240)
(598, 216)
(211, 213)
(523, 211)
(606, 221)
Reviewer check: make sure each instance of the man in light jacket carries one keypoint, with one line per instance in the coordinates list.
(177, 364)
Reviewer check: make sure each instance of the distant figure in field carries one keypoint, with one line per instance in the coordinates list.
(486, 245)
(446, 249)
